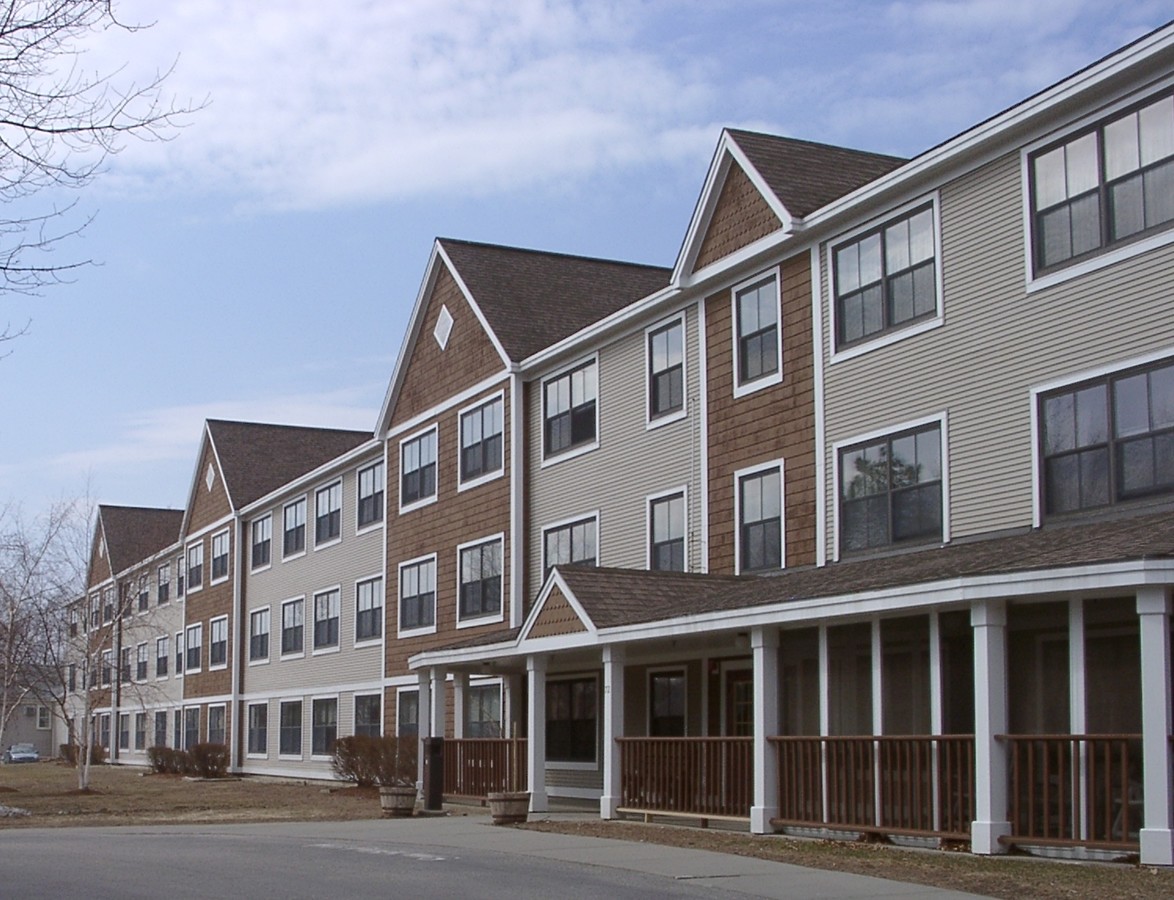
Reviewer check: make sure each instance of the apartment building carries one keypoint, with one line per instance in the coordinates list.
(855, 520)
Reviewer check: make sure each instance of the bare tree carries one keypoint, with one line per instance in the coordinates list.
(59, 123)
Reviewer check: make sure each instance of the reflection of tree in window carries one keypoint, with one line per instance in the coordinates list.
(570, 720)
(667, 714)
(891, 490)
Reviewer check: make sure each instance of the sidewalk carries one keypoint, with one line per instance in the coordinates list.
(469, 828)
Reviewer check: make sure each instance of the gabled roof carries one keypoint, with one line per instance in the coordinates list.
(256, 459)
(805, 175)
(533, 299)
(133, 533)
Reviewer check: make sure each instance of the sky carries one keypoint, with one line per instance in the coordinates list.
(262, 262)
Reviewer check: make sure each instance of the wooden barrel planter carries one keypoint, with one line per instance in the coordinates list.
(397, 802)
(509, 807)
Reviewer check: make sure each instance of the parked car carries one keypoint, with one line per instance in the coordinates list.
(21, 753)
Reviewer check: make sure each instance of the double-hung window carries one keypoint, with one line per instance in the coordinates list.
(891, 490)
(417, 594)
(142, 661)
(666, 703)
(195, 566)
(758, 335)
(369, 715)
(407, 713)
(369, 609)
(481, 440)
(328, 514)
(259, 634)
(179, 652)
(219, 556)
(292, 626)
(195, 643)
(571, 542)
(179, 578)
(480, 576)
(324, 726)
(571, 720)
(290, 735)
(294, 524)
(1108, 440)
(418, 468)
(218, 643)
(163, 585)
(1104, 186)
(144, 593)
(569, 403)
(326, 610)
(216, 724)
(886, 278)
(262, 541)
(370, 495)
(258, 729)
(162, 655)
(191, 727)
(666, 369)
(760, 520)
(161, 728)
(483, 711)
(141, 731)
(666, 525)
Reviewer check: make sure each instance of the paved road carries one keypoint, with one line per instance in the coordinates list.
(420, 858)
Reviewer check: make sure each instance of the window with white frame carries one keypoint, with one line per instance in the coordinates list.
(258, 729)
(220, 556)
(163, 584)
(371, 495)
(195, 642)
(571, 720)
(480, 580)
(483, 711)
(570, 542)
(107, 605)
(757, 332)
(407, 713)
(1108, 440)
(142, 661)
(160, 729)
(1104, 186)
(180, 582)
(666, 526)
(294, 528)
(259, 634)
(262, 530)
(760, 520)
(481, 440)
(369, 609)
(124, 667)
(44, 718)
(569, 409)
(368, 715)
(328, 514)
(290, 729)
(162, 655)
(179, 653)
(666, 369)
(326, 612)
(216, 720)
(417, 594)
(144, 593)
(191, 727)
(666, 703)
(891, 490)
(107, 667)
(218, 643)
(418, 468)
(323, 725)
(124, 731)
(195, 566)
(292, 626)
(886, 278)
(141, 731)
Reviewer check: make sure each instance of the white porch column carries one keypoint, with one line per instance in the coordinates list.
(765, 644)
(423, 720)
(536, 743)
(1157, 836)
(460, 684)
(613, 727)
(436, 707)
(989, 621)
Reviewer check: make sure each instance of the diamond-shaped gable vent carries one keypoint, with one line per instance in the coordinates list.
(443, 327)
(210, 477)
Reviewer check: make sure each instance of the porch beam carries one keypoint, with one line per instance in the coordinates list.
(1157, 836)
(989, 621)
(613, 728)
(536, 744)
(765, 644)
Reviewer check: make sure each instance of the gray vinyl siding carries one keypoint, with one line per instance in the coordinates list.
(631, 462)
(357, 557)
(997, 342)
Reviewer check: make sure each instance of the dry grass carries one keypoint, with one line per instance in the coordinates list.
(1011, 877)
(123, 796)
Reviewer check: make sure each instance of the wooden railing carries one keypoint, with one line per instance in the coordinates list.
(477, 767)
(1081, 789)
(919, 785)
(703, 777)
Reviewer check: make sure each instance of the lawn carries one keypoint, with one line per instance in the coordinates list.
(125, 796)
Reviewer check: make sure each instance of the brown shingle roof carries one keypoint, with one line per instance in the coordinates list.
(135, 533)
(805, 175)
(257, 459)
(533, 299)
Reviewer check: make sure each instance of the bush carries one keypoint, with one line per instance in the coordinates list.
(209, 760)
(168, 761)
(369, 760)
(97, 755)
(68, 753)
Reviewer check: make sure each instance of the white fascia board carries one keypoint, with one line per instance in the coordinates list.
(302, 482)
(555, 579)
(473, 305)
(982, 136)
(167, 553)
(187, 509)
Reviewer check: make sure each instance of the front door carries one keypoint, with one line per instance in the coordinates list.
(739, 703)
